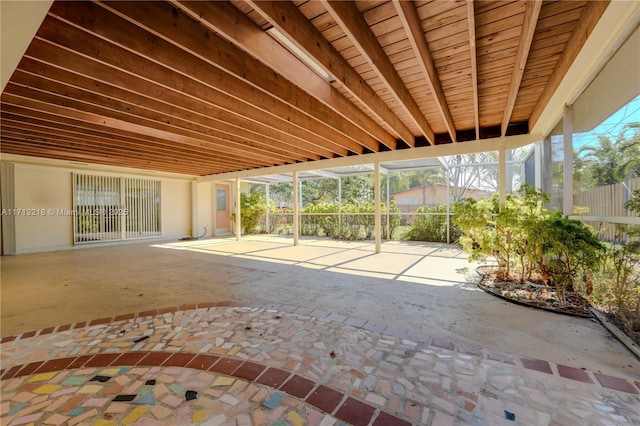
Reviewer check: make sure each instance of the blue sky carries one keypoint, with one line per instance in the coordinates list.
(613, 125)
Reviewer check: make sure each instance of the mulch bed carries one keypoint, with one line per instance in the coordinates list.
(532, 294)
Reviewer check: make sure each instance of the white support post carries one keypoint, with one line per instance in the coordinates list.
(296, 210)
(214, 209)
(538, 165)
(448, 208)
(238, 217)
(267, 217)
(340, 205)
(502, 175)
(194, 208)
(377, 228)
(388, 207)
(568, 160)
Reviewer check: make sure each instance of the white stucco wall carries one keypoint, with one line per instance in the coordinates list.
(45, 190)
(41, 189)
(205, 212)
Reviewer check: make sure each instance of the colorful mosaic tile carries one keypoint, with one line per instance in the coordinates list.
(256, 365)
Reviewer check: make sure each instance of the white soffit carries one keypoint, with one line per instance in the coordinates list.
(614, 27)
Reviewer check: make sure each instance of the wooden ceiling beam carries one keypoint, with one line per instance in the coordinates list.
(48, 60)
(123, 100)
(591, 14)
(347, 15)
(233, 25)
(134, 49)
(291, 22)
(531, 13)
(471, 19)
(145, 148)
(25, 147)
(39, 142)
(177, 28)
(411, 22)
(64, 108)
(55, 93)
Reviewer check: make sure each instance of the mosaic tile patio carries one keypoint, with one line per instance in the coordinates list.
(252, 364)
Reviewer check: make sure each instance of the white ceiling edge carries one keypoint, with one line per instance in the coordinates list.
(484, 145)
(618, 21)
(19, 22)
(87, 167)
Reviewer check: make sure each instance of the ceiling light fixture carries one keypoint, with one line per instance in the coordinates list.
(300, 54)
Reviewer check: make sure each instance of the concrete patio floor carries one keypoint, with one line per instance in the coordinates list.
(418, 299)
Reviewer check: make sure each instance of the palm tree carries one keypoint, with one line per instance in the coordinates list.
(609, 161)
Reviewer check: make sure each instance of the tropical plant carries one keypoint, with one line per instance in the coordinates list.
(252, 209)
(570, 252)
(431, 225)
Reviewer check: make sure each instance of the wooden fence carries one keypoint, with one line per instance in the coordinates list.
(607, 201)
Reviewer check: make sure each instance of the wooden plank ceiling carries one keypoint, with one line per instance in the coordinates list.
(204, 87)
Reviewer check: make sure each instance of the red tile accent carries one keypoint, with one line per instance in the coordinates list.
(536, 364)
(70, 405)
(325, 398)
(189, 307)
(615, 383)
(79, 324)
(574, 374)
(129, 359)
(168, 310)
(225, 304)
(155, 359)
(101, 360)
(29, 387)
(385, 419)
(148, 313)
(274, 377)
(355, 412)
(226, 366)
(298, 387)
(178, 360)
(100, 321)
(124, 317)
(80, 361)
(249, 370)
(55, 365)
(63, 328)
(206, 305)
(47, 330)
(28, 334)
(8, 339)
(10, 373)
(29, 368)
(474, 350)
(442, 343)
(203, 362)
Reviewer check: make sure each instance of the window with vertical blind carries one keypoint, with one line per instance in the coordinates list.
(113, 208)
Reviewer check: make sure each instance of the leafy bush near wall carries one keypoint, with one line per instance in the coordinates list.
(524, 236)
(432, 226)
(252, 208)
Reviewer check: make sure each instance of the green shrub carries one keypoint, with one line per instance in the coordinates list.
(521, 233)
(432, 226)
(252, 209)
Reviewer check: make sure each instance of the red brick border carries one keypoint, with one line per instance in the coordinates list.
(334, 402)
